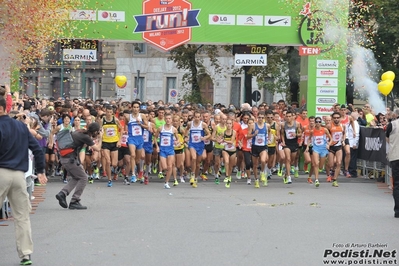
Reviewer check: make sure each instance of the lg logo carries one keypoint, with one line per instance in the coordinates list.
(219, 19)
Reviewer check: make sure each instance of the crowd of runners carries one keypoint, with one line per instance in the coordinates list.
(189, 142)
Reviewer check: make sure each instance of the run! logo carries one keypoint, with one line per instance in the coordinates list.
(167, 23)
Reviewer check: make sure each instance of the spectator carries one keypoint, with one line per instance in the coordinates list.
(15, 142)
(353, 137)
(362, 117)
(392, 134)
(370, 119)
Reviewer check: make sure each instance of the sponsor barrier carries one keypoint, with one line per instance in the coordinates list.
(372, 157)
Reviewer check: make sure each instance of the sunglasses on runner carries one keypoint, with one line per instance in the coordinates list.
(317, 122)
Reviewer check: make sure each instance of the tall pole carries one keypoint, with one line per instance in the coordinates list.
(138, 85)
(83, 79)
(62, 75)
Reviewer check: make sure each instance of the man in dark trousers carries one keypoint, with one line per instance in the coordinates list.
(74, 167)
(392, 134)
(15, 142)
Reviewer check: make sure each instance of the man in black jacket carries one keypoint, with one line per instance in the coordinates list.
(15, 142)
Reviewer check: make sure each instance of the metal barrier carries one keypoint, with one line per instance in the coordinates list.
(376, 170)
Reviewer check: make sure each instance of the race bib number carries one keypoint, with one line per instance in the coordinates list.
(195, 137)
(318, 140)
(110, 132)
(291, 133)
(165, 141)
(260, 140)
(229, 147)
(337, 136)
(146, 136)
(136, 130)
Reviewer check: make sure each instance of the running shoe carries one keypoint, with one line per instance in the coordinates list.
(115, 177)
(317, 183)
(175, 183)
(280, 172)
(265, 184)
(192, 180)
(109, 183)
(227, 185)
(285, 180)
(210, 170)
(96, 173)
(262, 177)
(146, 179)
(133, 179)
(292, 170)
(26, 261)
(160, 175)
(91, 181)
(166, 186)
(141, 174)
(306, 172)
(238, 175)
(223, 169)
(126, 181)
(194, 184)
(65, 181)
(155, 168)
(329, 178)
(256, 183)
(310, 180)
(249, 181)
(335, 183)
(203, 177)
(182, 179)
(347, 174)
(243, 174)
(296, 173)
(269, 176)
(217, 181)
(289, 181)
(226, 179)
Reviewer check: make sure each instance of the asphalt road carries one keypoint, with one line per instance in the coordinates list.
(280, 224)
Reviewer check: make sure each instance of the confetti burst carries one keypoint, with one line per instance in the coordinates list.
(29, 27)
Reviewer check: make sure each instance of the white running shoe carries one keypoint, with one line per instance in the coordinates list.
(166, 186)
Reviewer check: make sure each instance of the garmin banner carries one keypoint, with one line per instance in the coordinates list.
(372, 145)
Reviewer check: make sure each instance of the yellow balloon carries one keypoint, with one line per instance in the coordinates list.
(385, 86)
(389, 75)
(120, 81)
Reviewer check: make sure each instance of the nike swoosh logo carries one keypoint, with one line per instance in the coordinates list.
(271, 22)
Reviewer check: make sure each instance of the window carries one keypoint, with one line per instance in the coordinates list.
(235, 91)
(171, 89)
(140, 49)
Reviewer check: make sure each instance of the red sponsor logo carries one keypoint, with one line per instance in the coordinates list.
(167, 24)
(308, 50)
(324, 109)
(327, 72)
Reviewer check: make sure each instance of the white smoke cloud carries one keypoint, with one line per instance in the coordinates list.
(363, 70)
